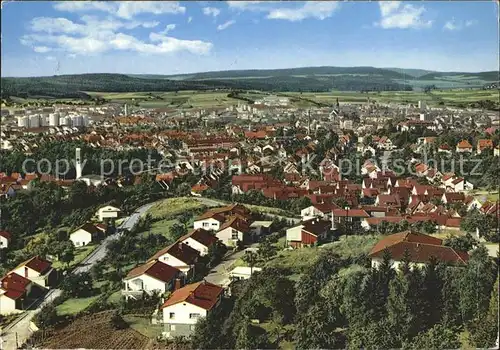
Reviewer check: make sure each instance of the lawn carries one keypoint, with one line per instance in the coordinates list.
(484, 195)
(80, 254)
(143, 325)
(161, 227)
(75, 305)
(173, 206)
(115, 298)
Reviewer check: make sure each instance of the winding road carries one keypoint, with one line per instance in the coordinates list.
(19, 330)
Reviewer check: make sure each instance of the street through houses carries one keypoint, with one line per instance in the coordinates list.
(19, 331)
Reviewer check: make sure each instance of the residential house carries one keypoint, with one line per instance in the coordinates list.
(38, 271)
(309, 232)
(444, 149)
(321, 210)
(86, 234)
(234, 230)
(108, 212)
(484, 144)
(186, 305)
(14, 290)
(209, 221)
(152, 277)
(421, 248)
(464, 146)
(179, 255)
(5, 238)
(199, 239)
(453, 197)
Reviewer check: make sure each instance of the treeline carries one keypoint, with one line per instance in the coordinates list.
(337, 305)
(92, 159)
(71, 86)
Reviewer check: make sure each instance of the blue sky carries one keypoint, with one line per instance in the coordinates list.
(47, 38)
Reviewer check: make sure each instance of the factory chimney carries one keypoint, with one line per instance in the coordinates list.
(78, 163)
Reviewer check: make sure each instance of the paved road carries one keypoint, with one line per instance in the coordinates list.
(100, 252)
(220, 274)
(21, 325)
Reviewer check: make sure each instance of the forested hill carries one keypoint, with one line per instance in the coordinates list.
(307, 79)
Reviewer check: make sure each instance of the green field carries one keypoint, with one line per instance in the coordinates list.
(80, 254)
(181, 99)
(173, 206)
(75, 305)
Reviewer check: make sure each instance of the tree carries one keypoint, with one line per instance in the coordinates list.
(251, 337)
(462, 243)
(184, 189)
(68, 255)
(476, 284)
(266, 249)
(437, 338)
(77, 285)
(475, 221)
(46, 317)
(177, 231)
(316, 329)
(483, 332)
(250, 258)
(399, 313)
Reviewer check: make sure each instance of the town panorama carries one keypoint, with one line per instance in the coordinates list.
(249, 175)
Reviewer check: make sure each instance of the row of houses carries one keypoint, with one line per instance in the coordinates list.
(23, 285)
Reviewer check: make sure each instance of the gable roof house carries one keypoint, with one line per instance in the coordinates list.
(199, 239)
(149, 278)
(484, 144)
(5, 238)
(38, 271)
(233, 230)
(309, 232)
(421, 249)
(179, 255)
(181, 311)
(85, 234)
(14, 290)
(463, 146)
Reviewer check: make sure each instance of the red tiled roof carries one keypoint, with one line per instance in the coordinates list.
(180, 251)
(155, 269)
(464, 144)
(15, 282)
(200, 235)
(201, 294)
(351, 212)
(37, 264)
(5, 234)
(420, 247)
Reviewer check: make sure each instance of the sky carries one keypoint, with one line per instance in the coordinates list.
(155, 37)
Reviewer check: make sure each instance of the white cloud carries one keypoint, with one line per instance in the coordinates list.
(282, 10)
(123, 9)
(470, 22)
(96, 35)
(311, 9)
(128, 9)
(50, 58)
(226, 25)
(190, 19)
(168, 28)
(451, 25)
(41, 49)
(211, 11)
(396, 15)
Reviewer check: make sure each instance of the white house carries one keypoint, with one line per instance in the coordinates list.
(323, 210)
(13, 291)
(186, 305)
(85, 234)
(5, 238)
(178, 255)
(37, 270)
(108, 212)
(209, 221)
(199, 240)
(243, 272)
(152, 277)
(233, 230)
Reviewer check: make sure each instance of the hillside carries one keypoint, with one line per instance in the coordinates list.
(306, 79)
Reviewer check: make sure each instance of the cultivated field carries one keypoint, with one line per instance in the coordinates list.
(94, 331)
